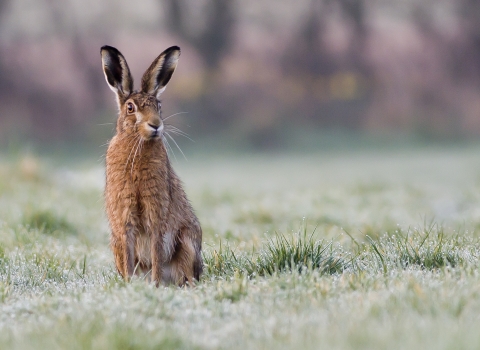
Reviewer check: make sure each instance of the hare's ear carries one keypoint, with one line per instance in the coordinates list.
(116, 72)
(156, 77)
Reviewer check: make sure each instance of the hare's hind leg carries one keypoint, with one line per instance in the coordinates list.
(196, 237)
(156, 257)
(181, 267)
(118, 255)
(123, 250)
(198, 264)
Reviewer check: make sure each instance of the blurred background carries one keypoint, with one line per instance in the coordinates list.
(264, 75)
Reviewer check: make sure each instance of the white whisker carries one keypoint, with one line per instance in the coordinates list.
(171, 127)
(177, 131)
(169, 148)
(173, 115)
(101, 158)
(133, 146)
(180, 134)
(140, 143)
(176, 144)
(134, 139)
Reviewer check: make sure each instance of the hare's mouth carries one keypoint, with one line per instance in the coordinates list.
(153, 131)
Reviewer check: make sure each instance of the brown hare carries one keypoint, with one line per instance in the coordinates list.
(154, 230)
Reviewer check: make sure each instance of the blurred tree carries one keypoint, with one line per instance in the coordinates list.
(432, 105)
(80, 51)
(469, 61)
(211, 41)
(331, 80)
(53, 114)
(3, 71)
(3, 6)
(465, 65)
(449, 68)
(354, 12)
(214, 40)
(308, 53)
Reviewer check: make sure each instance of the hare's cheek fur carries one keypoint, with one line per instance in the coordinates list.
(129, 124)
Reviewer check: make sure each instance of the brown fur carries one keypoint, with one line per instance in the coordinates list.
(154, 230)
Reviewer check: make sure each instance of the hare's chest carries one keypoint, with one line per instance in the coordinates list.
(150, 183)
(152, 196)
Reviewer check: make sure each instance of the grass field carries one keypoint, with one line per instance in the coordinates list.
(341, 250)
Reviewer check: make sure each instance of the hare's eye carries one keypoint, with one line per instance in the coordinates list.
(130, 107)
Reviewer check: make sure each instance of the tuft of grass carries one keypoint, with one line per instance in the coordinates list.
(224, 261)
(428, 249)
(280, 254)
(48, 222)
(297, 253)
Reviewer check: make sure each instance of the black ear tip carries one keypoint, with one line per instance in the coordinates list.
(108, 48)
(172, 49)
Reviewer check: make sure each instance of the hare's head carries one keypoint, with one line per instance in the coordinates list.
(140, 111)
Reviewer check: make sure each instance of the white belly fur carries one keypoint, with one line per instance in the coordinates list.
(142, 247)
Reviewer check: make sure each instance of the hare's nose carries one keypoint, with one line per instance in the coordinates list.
(155, 127)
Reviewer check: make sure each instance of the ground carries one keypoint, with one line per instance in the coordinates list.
(357, 249)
